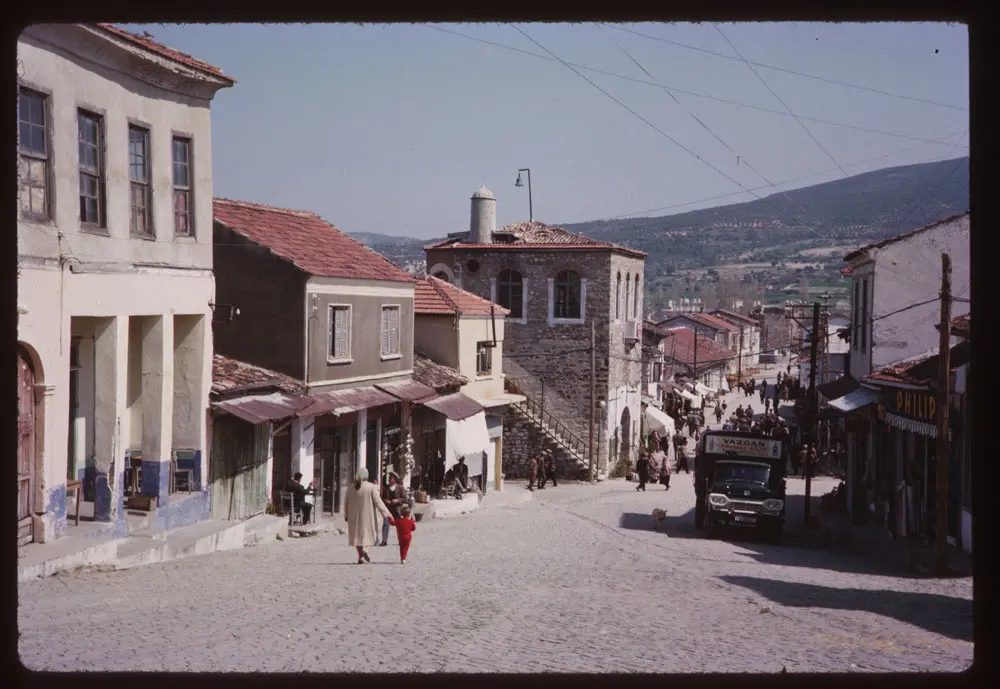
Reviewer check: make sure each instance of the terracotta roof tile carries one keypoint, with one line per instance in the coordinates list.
(536, 235)
(230, 375)
(679, 345)
(434, 296)
(443, 379)
(164, 51)
(732, 316)
(307, 241)
(706, 320)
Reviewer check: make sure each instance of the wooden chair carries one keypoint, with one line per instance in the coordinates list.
(288, 507)
(175, 473)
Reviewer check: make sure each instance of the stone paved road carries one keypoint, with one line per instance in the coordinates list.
(576, 580)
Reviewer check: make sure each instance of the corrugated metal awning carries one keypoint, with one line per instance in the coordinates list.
(260, 408)
(500, 400)
(408, 390)
(456, 406)
(855, 400)
(347, 401)
(838, 388)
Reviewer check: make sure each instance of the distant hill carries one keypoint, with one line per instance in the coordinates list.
(850, 212)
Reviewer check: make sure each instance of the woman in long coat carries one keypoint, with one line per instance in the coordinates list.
(364, 512)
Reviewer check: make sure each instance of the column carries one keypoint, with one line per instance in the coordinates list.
(191, 350)
(111, 420)
(50, 513)
(303, 448)
(362, 439)
(157, 400)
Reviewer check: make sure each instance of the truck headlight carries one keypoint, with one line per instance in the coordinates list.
(718, 500)
(773, 505)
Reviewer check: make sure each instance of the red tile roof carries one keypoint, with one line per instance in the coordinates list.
(920, 370)
(307, 241)
(536, 235)
(732, 316)
(906, 235)
(705, 319)
(230, 375)
(679, 345)
(441, 378)
(434, 296)
(164, 51)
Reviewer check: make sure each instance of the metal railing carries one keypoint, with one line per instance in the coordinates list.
(556, 428)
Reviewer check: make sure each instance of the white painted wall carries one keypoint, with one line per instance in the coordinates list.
(79, 70)
(906, 272)
(472, 331)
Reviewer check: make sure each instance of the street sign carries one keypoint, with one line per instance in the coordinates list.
(764, 448)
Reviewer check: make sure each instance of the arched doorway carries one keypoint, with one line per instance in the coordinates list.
(26, 438)
(626, 445)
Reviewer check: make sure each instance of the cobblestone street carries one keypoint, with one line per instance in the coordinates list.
(576, 580)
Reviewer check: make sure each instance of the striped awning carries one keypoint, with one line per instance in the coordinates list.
(911, 425)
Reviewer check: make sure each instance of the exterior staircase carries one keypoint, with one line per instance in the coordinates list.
(569, 450)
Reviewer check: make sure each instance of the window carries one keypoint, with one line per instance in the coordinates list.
(339, 333)
(484, 359)
(864, 314)
(90, 142)
(635, 299)
(182, 187)
(657, 372)
(618, 297)
(390, 331)
(628, 289)
(510, 292)
(33, 145)
(567, 295)
(138, 164)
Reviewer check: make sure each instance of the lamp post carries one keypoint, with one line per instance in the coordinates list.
(519, 183)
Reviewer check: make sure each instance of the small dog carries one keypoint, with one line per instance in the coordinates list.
(658, 517)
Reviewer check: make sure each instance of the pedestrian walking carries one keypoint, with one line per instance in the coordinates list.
(405, 526)
(642, 469)
(682, 460)
(718, 413)
(394, 497)
(362, 506)
(550, 468)
(763, 390)
(533, 476)
(813, 460)
(542, 474)
(660, 460)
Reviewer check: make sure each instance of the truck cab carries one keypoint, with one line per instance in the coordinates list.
(739, 482)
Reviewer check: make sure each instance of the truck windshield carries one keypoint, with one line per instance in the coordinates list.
(732, 471)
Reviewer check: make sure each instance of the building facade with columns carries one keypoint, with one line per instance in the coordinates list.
(114, 274)
(558, 286)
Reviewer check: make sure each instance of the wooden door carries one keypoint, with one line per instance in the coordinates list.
(25, 449)
(239, 468)
(281, 470)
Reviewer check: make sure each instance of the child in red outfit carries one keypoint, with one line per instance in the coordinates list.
(405, 526)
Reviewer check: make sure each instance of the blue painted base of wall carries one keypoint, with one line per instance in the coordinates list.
(102, 506)
(55, 505)
(88, 475)
(184, 510)
(156, 481)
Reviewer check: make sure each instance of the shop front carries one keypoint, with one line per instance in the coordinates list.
(450, 428)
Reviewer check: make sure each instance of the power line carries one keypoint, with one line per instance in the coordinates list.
(684, 91)
(773, 93)
(791, 71)
(709, 129)
(634, 113)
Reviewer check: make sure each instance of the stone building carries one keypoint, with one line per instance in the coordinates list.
(558, 286)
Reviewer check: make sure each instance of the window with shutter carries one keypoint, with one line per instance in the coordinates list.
(390, 331)
(339, 334)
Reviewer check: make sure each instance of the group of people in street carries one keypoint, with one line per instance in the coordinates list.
(364, 509)
(542, 469)
(653, 467)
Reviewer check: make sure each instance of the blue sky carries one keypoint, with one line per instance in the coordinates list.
(390, 128)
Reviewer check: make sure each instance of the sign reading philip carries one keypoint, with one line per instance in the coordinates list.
(919, 405)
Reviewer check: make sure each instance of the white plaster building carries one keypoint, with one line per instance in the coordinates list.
(114, 271)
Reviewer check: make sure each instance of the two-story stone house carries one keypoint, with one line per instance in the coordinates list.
(314, 304)
(115, 283)
(562, 289)
(458, 330)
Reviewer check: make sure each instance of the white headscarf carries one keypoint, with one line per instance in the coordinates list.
(361, 475)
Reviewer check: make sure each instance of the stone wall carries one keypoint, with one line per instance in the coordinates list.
(522, 441)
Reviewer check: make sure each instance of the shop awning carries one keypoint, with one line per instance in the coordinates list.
(703, 389)
(695, 399)
(500, 400)
(838, 388)
(260, 408)
(911, 425)
(660, 422)
(467, 438)
(725, 385)
(347, 401)
(455, 407)
(408, 390)
(861, 397)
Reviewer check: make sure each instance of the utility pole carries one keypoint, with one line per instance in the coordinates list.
(593, 392)
(944, 383)
(739, 362)
(696, 353)
(811, 406)
(541, 420)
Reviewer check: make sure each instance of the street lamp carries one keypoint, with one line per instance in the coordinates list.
(519, 183)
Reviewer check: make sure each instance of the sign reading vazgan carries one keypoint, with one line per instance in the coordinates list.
(747, 447)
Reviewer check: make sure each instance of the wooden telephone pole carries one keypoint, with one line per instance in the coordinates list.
(944, 385)
(811, 407)
(739, 362)
(593, 392)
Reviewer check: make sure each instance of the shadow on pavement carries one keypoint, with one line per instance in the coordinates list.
(942, 615)
(673, 526)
